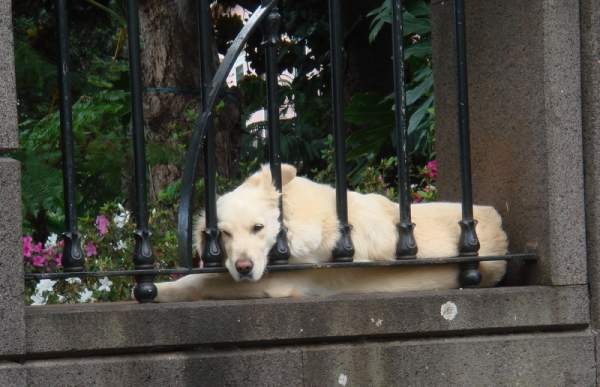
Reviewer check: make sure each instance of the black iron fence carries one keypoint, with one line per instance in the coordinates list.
(202, 147)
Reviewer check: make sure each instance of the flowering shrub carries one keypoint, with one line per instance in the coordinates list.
(374, 178)
(425, 190)
(108, 244)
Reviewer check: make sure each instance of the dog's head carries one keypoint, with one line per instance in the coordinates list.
(248, 218)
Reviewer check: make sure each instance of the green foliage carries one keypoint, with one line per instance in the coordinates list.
(375, 115)
(415, 18)
(100, 126)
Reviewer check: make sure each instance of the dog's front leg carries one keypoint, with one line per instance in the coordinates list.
(221, 286)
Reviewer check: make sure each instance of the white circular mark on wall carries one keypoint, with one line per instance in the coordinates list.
(449, 310)
(378, 322)
(343, 379)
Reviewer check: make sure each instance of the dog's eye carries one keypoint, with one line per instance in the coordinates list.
(257, 227)
(226, 233)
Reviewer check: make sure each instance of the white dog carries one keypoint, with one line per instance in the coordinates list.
(248, 220)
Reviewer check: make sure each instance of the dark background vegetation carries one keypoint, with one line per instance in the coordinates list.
(170, 59)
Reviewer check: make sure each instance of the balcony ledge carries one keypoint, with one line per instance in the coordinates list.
(132, 327)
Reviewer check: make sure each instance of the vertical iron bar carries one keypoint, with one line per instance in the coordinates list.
(212, 251)
(145, 290)
(407, 245)
(280, 252)
(73, 259)
(468, 242)
(344, 248)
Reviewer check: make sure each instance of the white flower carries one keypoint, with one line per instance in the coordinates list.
(51, 241)
(86, 295)
(105, 284)
(122, 217)
(61, 298)
(45, 285)
(73, 280)
(120, 245)
(38, 299)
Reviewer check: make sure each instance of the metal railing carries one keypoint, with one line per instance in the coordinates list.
(202, 147)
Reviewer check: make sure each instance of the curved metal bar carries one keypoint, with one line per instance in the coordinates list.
(184, 226)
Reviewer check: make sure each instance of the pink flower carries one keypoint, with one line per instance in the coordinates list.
(38, 248)
(58, 260)
(416, 197)
(90, 249)
(431, 169)
(27, 246)
(39, 261)
(102, 223)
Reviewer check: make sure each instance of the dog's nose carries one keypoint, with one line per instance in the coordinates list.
(244, 266)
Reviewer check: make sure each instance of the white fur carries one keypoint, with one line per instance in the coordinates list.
(310, 217)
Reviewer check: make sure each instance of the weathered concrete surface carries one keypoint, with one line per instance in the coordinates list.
(126, 326)
(518, 360)
(12, 375)
(8, 97)
(12, 326)
(525, 115)
(529, 360)
(590, 83)
(275, 367)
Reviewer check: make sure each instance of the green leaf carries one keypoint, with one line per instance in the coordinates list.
(423, 88)
(419, 115)
(414, 25)
(418, 50)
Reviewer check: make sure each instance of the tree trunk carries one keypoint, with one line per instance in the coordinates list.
(170, 64)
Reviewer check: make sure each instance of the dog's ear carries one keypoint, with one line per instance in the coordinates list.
(263, 178)
(288, 173)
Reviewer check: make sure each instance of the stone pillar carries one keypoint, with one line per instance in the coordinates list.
(590, 77)
(8, 96)
(12, 326)
(525, 115)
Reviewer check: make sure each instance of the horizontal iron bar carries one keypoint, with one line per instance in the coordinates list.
(288, 267)
(172, 90)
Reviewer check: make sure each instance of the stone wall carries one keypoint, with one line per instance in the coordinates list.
(534, 335)
(534, 71)
(525, 117)
(12, 328)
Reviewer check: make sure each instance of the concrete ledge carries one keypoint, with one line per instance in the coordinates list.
(136, 327)
(12, 375)
(560, 359)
